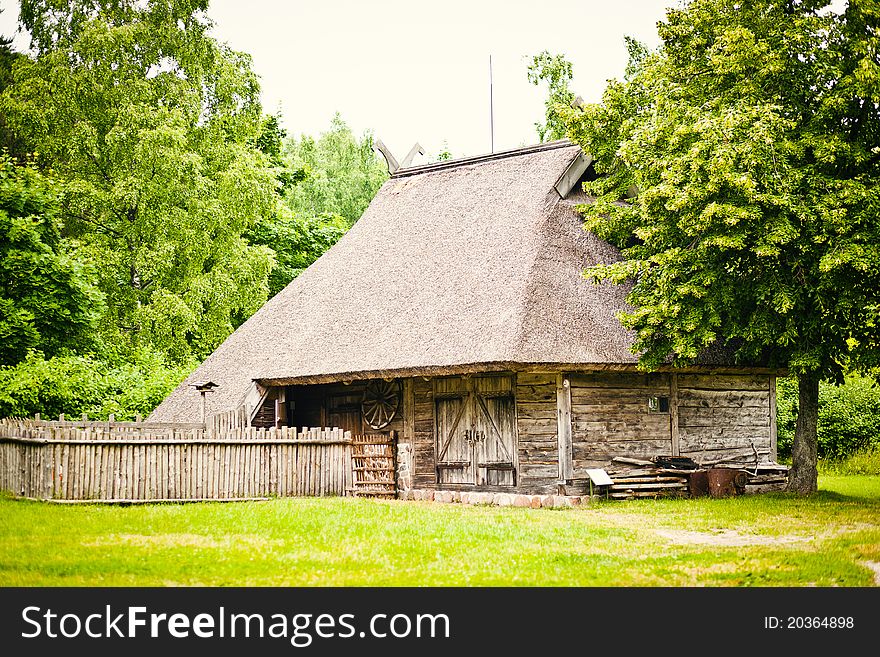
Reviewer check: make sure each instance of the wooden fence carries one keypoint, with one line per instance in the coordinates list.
(139, 462)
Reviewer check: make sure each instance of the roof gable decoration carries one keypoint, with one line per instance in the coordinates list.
(391, 162)
(572, 174)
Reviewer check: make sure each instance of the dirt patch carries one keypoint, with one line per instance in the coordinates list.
(728, 538)
(875, 566)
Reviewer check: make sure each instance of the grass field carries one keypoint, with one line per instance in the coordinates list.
(830, 539)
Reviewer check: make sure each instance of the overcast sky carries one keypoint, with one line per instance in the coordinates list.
(418, 71)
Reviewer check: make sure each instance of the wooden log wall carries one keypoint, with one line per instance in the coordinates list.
(119, 463)
(536, 418)
(611, 417)
(726, 418)
(424, 463)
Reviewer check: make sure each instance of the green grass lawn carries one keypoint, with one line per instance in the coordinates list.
(832, 538)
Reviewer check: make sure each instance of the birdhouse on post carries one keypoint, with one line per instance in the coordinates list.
(204, 387)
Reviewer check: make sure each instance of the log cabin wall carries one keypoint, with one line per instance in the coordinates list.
(726, 417)
(708, 417)
(422, 433)
(611, 416)
(536, 422)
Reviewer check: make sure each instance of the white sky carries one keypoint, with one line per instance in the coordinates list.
(418, 71)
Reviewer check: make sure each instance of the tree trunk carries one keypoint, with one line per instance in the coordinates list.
(803, 476)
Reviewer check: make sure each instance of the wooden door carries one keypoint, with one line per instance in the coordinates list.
(476, 436)
(344, 411)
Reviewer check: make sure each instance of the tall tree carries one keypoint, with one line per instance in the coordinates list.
(326, 184)
(341, 174)
(47, 300)
(557, 72)
(9, 142)
(751, 139)
(151, 125)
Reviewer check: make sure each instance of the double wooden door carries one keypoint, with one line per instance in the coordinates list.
(476, 430)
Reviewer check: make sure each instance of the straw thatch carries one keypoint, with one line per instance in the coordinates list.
(461, 266)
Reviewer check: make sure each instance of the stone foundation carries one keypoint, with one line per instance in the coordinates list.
(495, 499)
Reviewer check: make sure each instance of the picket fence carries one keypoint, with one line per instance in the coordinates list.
(148, 462)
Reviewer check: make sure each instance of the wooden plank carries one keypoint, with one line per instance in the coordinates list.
(711, 417)
(543, 470)
(632, 448)
(536, 393)
(409, 410)
(693, 434)
(545, 410)
(673, 413)
(624, 486)
(539, 441)
(723, 398)
(564, 428)
(723, 381)
(536, 378)
(657, 382)
(698, 443)
(633, 398)
(598, 432)
(772, 410)
(625, 480)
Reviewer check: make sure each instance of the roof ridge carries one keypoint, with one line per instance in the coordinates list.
(478, 159)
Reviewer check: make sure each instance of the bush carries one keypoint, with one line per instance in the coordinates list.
(861, 463)
(849, 417)
(74, 385)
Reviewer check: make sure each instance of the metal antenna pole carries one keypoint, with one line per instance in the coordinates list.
(491, 111)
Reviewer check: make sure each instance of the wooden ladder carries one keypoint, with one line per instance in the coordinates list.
(372, 464)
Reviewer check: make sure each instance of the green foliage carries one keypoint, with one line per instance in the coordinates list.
(151, 127)
(341, 174)
(80, 384)
(445, 153)
(557, 72)
(47, 300)
(849, 417)
(751, 139)
(326, 184)
(297, 243)
(11, 143)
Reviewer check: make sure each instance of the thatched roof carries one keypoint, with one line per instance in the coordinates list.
(457, 266)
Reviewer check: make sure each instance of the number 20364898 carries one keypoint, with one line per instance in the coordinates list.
(809, 622)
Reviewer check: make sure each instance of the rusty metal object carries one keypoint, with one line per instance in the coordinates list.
(698, 483)
(740, 479)
(725, 482)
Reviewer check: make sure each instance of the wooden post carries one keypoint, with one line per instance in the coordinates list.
(409, 416)
(673, 413)
(773, 419)
(563, 427)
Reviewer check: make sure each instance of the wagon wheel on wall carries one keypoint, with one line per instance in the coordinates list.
(381, 401)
